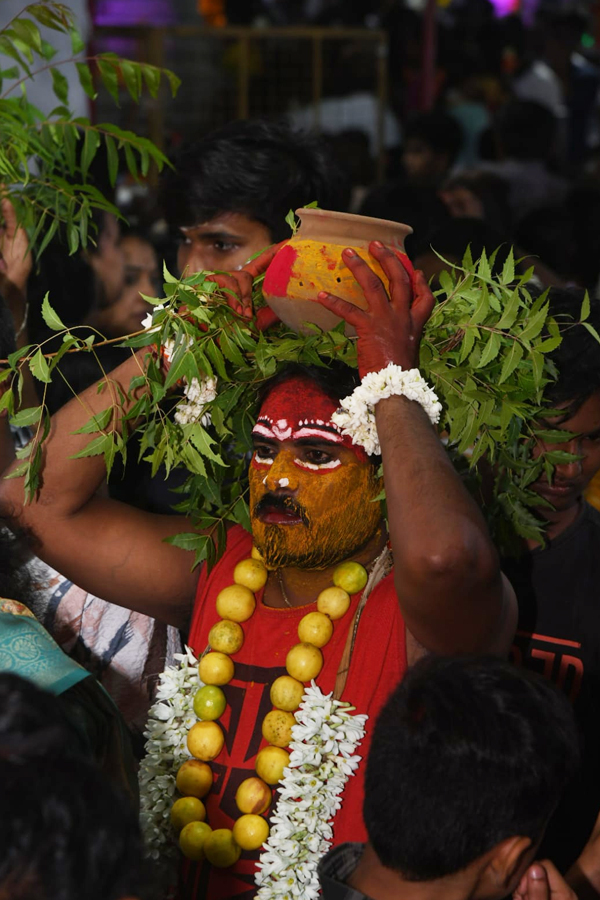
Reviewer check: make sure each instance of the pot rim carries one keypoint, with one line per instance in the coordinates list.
(325, 223)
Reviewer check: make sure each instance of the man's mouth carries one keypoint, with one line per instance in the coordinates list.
(274, 510)
(557, 489)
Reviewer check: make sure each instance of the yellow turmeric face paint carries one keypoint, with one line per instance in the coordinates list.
(311, 517)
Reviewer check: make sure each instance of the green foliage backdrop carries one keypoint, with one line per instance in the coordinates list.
(485, 350)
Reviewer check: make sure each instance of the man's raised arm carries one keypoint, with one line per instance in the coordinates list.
(110, 549)
(447, 575)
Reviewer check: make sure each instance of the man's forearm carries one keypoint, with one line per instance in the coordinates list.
(447, 573)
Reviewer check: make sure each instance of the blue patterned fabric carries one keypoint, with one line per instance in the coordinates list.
(26, 649)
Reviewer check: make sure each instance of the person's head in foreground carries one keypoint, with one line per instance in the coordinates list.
(576, 393)
(311, 488)
(231, 191)
(468, 760)
(65, 831)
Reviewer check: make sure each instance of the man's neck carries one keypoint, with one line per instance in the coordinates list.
(298, 587)
(377, 882)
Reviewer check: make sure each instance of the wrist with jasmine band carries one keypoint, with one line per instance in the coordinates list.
(356, 416)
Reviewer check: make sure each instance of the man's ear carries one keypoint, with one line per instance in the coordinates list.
(507, 862)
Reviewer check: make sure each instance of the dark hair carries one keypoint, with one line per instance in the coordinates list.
(526, 130)
(259, 168)
(468, 751)
(65, 830)
(577, 358)
(439, 130)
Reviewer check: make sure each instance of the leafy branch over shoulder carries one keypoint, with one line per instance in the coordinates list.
(485, 350)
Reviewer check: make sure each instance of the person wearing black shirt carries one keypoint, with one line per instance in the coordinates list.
(558, 585)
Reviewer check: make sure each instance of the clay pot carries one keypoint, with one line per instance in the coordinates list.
(312, 261)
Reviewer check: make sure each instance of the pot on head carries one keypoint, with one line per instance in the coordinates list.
(311, 261)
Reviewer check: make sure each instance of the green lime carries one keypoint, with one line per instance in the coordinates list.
(350, 576)
(209, 703)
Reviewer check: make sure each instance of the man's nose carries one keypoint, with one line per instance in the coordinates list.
(570, 471)
(282, 473)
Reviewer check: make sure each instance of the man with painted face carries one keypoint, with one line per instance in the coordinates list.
(313, 506)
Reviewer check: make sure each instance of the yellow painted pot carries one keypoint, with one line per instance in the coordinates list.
(312, 261)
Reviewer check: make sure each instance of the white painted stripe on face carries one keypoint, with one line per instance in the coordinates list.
(304, 464)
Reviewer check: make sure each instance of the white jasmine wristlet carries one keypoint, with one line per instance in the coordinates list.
(356, 416)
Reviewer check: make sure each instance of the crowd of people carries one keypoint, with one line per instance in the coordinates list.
(474, 675)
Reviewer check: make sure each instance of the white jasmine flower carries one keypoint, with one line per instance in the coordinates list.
(356, 417)
(324, 740)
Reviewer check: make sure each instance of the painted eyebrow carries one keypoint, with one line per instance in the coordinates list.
(302, 442)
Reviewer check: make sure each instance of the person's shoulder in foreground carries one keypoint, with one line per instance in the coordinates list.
(468, 760)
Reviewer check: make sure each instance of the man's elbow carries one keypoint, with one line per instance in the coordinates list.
(468, 562)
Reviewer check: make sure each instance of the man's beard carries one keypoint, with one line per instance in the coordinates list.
(328, 540)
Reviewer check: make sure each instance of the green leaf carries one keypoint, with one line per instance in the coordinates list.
(26, 417)
(491, 350)
(508, 269)
(85, 79)
(535, 324)
(591, 330)
(202, 441)
(99, 445)
(511, 311)
(109, 75)
(585, 307)
(554, 435)
(560, 457)
(511, 361)
(77, 43)
(91, 142)
(51, 318)
(98, 422)
(291, 220)
(60, 85)
(39, 367)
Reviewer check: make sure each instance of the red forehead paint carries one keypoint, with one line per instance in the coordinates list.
(298, 408)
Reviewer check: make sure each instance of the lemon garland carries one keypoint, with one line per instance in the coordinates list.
(205, 739)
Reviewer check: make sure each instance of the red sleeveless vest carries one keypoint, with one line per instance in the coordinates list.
(378, 663)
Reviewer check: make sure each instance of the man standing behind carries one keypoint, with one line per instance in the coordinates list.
(557, 585)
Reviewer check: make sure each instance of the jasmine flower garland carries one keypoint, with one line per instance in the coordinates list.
(356, 415)
(324, 741)
(323, 757)
(169, 720)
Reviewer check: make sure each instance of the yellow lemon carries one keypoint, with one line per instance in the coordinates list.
(277, 727)
(304, 662)
(270, 763)
(253, 796)
(186, 810)
(194, 778)
(226, 637)
(209, 703)
(334, 602)
(286, 693)
(205, 740)
(256, 554)
(350, 576)
(251, 573)
(235, 602)
(220, 849)
(192, 838)
(216, 668)
(250, 832)
(315, 628)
